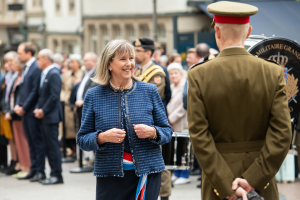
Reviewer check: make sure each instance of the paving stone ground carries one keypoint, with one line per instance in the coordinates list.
(82, 186)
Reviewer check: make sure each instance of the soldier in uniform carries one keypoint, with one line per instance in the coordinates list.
(154, 74)
(238, 115)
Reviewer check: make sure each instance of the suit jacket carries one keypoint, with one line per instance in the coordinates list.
(239, 122)
(89, 84)
(29, 89)
(49, 98)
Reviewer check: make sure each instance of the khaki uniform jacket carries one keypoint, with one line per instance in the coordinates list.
(239, 122)
(157, 79)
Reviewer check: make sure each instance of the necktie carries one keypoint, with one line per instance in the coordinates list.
(42, 80)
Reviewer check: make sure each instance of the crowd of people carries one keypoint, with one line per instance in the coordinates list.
(31, 117)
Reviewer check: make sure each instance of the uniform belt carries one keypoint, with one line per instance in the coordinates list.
(240, 147)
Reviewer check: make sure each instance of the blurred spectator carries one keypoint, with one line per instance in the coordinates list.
(163, 60)
(77, 73)
(177, 114)
(156, 55)
(49, 113)
(3, 140)
(191, 57)
(19, 134)
(202, 50)
(90, 62)
(65, 94)
(175, 57)
(5, 124)
(5, 128)
(58, 60)
(28, 96)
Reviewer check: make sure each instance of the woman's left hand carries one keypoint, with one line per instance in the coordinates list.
(144, 131)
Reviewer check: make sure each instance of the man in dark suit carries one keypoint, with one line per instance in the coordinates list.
(50, 113)
(90, 62)
(28, 99)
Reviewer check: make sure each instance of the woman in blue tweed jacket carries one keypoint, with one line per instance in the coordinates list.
(124, 122)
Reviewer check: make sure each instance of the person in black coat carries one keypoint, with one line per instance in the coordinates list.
(29, 89)
(49, 112)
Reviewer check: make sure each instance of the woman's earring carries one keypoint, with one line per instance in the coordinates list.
(109, 69)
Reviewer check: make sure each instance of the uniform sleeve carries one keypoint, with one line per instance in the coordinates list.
(159, 81)
(87, 135)
(210, 159)
(278, 139)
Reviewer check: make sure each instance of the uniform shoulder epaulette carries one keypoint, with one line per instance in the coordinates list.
(266, 59)
(197, 64)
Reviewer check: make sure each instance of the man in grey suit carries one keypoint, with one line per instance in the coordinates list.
(90, 62)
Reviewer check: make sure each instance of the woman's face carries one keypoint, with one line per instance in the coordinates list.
(74, 65)
(178, 60)
(175, 76)
(122, 67)
(8, 65)
(15, 66)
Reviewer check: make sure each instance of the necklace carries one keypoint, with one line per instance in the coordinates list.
(128, 86)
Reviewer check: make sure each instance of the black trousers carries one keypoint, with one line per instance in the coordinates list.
(34, 137)
(50, 135)
(118, 188)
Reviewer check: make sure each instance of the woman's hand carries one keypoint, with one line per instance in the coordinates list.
(144, 131)
(7, 116)
(113, 135)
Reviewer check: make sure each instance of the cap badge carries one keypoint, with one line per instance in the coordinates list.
(137, 43)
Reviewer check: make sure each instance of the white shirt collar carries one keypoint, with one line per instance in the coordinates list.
(201, 60)
(234, 47)
(29, 62)
(89, 73)
(47, 69)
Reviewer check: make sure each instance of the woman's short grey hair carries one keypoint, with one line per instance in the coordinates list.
(57, 58)
(76, 57)
(113, 48)
(12, 55)
(47, 53)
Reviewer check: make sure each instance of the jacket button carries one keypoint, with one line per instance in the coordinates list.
(265, 187)
(215, 191)
(268, 184)
(217, 194)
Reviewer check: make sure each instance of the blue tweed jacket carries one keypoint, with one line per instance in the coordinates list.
(105, 108)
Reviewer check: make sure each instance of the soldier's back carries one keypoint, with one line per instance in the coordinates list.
(238, 90)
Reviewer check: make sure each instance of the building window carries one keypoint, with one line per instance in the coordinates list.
(116, 32)
(72, 5)
(57, 6)
(94, 38)
(130, 33)
(36, 3)
(144, 31)
(161, 31)
(104, 36)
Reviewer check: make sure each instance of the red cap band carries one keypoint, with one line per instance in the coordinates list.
(231, 20)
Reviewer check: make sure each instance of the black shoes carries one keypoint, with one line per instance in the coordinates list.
(199, 185)
(38, 177)
(164, 198)
(29, 176)
(199, 179)
(52, 181)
